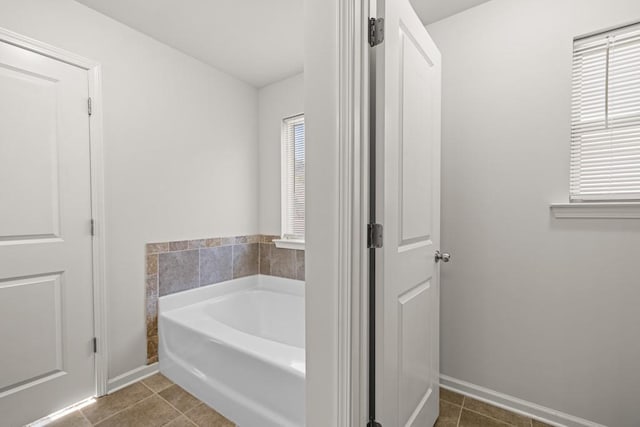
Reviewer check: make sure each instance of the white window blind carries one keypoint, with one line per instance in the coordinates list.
(293, 178)
(605, 119)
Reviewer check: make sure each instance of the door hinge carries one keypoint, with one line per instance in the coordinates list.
(374, 236)
(376, 31)
(93, 227)
(95, 344)
(89, 107)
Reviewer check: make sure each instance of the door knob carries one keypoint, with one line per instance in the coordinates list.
(443, 256)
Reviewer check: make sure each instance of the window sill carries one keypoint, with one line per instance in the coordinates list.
(289, 244)
(604, 210)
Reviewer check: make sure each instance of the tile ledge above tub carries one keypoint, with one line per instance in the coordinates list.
(596, 210)
(289, 244)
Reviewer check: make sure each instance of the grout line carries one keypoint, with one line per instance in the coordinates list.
(460, 413)
(85, 417)
(200, 402)
(146, 386)
(157, 393)
(180, 413)
(198, 405)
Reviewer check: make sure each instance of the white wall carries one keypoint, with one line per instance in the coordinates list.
(180, 150)
(276, 102)
(322, 211)
(542, 309)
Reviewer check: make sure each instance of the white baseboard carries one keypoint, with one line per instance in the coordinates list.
(131, 377)
(513, 404)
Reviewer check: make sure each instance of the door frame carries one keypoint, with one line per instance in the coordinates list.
(94, 77)
(354, 134)
(337, 99)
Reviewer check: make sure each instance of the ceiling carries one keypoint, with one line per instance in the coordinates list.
(431, 11)
(257, 41)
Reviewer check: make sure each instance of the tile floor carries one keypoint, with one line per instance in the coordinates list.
(457, 410)
(156, 401)
(152, 402)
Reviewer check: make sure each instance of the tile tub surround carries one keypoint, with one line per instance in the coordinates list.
(273, 261)
(182, 265)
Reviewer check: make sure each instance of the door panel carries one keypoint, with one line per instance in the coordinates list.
(30, 358)
(415, 142)
(28, 159)
(46, 292)
(414, 361)
(407, 85)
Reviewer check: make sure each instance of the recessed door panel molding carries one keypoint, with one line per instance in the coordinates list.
(28, 155)
(416, 141)
(415, 352)
(30, 330)
(46, 247)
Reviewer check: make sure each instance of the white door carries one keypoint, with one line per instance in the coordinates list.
(46, 293)
(408, 70)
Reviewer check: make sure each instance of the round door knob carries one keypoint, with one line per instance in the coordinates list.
(443, 256)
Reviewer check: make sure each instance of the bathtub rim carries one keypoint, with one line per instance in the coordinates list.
(193, 296)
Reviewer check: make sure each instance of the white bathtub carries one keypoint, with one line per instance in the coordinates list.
(239, 347)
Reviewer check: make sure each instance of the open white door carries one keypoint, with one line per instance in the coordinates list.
(46, 291)
(407, 99)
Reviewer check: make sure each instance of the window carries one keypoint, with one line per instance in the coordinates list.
(293, 179)
(605, 119)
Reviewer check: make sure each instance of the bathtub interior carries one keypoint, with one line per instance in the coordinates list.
(262, 312)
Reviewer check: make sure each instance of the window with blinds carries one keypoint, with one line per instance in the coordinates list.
(605, 119)
(293, 178)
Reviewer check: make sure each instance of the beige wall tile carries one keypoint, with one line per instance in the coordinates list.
(216, 265)
(264, 265)
(152, 349)
(197, 244)
(283, 262)
(156, 248)
(152, 265)
(245, 260)
(300, 265)
(178, 271)
(226, 241)
(181, 245)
